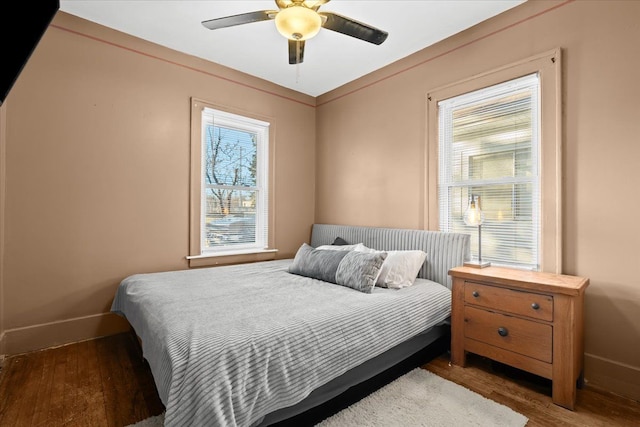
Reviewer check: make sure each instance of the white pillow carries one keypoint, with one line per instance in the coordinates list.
(358, 247)
(400, 268)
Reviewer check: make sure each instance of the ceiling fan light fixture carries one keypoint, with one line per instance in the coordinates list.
(298, 22)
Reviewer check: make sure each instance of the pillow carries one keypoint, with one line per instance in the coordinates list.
(317, 264)
(359, 270)
(356, 270)
(400, 268)
(358, 246)
(339, 241)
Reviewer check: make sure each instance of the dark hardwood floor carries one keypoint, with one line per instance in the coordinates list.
(102, 382)
(105, 382)
(531, 395)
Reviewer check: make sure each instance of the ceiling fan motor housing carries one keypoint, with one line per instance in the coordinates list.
(298, 22)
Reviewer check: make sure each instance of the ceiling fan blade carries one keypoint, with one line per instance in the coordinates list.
(296, 51)
(243, 18)
(350, 27)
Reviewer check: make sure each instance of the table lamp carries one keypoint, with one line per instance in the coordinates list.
(474, 216)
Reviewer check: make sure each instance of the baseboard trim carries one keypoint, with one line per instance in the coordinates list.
(3, 352)
(616, 377)
(38, 337)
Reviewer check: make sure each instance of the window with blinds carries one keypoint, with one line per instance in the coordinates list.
(234, 207)
(489, 148)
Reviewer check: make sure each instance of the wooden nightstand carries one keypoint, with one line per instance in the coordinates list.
(530, 320)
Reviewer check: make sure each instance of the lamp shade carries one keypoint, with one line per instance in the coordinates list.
(474, 215)
(298, 22)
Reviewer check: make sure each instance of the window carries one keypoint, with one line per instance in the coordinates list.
(234, 195)
(497, 136)
(488, 145)
(230, 183)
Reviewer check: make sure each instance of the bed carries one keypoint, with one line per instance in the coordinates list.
(255, 344)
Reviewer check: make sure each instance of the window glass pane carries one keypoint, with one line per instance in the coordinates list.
(503, 118)
(230, 217)
(506, 238)
(489, 149)
(487, 166)
(230, 157)
(496, 201)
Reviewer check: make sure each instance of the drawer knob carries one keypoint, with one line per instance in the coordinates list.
(475, 294)
(535, 306)
(503, 332)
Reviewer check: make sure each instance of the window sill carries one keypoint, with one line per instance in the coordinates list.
(231, 257)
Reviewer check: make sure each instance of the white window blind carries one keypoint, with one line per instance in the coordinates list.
(489, 147)
(234, 183)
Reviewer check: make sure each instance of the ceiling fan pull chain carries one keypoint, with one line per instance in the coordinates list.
(297, 72)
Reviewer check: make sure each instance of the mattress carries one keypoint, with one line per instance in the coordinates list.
(229, 345)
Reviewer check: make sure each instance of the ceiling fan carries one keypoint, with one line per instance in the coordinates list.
(299, 20)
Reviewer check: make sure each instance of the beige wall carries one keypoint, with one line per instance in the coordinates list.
(371, 140)
(97, 174)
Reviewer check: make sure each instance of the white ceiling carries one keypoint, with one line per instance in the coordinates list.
(331, 59)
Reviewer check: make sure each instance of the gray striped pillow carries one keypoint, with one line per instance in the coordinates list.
(356, 270)
(360, 270)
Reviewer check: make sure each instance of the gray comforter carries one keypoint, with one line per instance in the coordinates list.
(228, 345)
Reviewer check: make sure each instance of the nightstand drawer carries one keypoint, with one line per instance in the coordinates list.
(528, 304)
(521, 336)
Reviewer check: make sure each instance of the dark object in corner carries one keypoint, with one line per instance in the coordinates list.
(23, 24)
(340, 242)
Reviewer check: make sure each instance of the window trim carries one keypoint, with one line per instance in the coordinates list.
(548, 66)
(196, 256)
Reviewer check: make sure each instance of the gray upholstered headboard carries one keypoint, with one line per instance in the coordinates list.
(444, 250)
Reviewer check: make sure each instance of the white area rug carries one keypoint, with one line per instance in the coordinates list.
(422, 399)
(417, 399)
